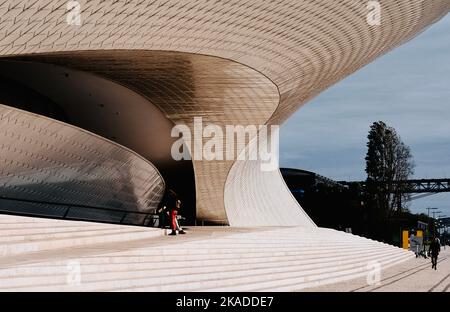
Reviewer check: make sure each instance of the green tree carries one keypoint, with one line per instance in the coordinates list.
(388, 159)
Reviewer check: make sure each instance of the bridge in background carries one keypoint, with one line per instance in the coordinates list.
(415, 186)
(422, 187)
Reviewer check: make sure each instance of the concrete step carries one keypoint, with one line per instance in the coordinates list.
(181, 252)
(51, 234)
(57, 226)
(29, 221)
(210, 259)
(298, 281)
(315, 281)
(176, 253)
(94, 265)
(190, 279)
(255, 280)
(30, 241)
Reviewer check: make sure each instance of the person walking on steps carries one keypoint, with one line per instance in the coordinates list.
(435, 248)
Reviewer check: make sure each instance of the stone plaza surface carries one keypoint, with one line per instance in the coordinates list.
(414, 275)
(54, 255)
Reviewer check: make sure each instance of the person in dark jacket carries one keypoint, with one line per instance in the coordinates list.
(435, 248)
(163, 215)
(164, 210)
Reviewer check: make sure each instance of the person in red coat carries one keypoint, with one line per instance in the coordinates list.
(174, 222)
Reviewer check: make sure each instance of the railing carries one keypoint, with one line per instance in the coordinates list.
(149, 219)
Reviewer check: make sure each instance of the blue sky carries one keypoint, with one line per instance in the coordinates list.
(409, 89)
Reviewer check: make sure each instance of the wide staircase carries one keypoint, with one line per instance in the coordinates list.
(49, 255)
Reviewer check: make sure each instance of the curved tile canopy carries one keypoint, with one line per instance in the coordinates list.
(185, 86)
(302, 47)
(47, 163)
